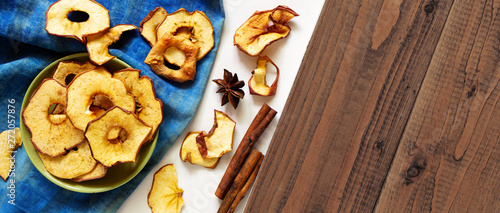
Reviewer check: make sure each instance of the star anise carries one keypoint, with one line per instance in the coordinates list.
(231, 87)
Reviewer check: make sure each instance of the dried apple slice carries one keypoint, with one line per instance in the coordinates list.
(87, 85)
(99, 171)
(219, 139)
(58, 23)
(148, 25)
(10, 140)
(76, 162)
(107, 151)
(255, 34)
(194, 26)
(165, 195)
(156, 61)
(97, 45)
(151, 108)
(189, 152)
(51, 134)
(257, 83)
(67, 70)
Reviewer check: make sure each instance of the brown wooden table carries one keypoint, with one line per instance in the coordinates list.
(396, 108)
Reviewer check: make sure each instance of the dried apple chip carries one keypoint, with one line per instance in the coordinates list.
(165, 195)
(58, 23)
(219, 139)
(156, 61)
(67, 70)
(106, 150)
(86, 86)
(38, 119)
(148, 25)
(76, 162)
(256, 34)
(194, 26)
(10, 140)
(151, 108)
(189, 152)
(257, 83)
(97, 45)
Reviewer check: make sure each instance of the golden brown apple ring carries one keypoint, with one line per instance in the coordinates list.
(194, 26)
(156, 61)
(58, 23)
(83, 89)
(51, 134)
(109, 152)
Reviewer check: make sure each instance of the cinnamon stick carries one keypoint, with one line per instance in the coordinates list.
(248, 167)
(246, 187)
(257, 127)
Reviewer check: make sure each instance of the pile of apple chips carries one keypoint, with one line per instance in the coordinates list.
(179, 39)
(85, 119)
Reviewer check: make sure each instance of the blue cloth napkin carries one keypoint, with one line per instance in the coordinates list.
(26, 48)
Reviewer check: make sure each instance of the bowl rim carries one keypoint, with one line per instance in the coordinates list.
(90, 186)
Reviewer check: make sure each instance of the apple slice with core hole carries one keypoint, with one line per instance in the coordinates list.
(58, 23)
(105, 148)
(51, 134)
(194, 26)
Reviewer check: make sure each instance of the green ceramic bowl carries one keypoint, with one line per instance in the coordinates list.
(116, 175)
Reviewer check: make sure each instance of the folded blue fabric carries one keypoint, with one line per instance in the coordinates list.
(27, 48)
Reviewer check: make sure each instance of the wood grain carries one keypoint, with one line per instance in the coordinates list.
(395, 108)
(449, 157)
(349, 106)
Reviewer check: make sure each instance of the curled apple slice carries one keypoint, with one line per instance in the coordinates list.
(219, 139)
(148, 25)
(257, 83)
(58, 23)
(190, 152)
(256, 33)
(97, 45)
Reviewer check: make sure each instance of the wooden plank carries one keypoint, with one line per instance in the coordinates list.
(349, 105)
(449, 157)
